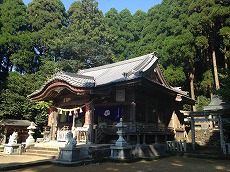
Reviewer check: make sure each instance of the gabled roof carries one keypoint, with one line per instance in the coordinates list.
(120, 71)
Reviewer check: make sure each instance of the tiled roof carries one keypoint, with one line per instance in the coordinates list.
(72, 79)
(120, 71)
(112, 73)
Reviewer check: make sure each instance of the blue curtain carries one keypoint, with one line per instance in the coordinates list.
(109, 112)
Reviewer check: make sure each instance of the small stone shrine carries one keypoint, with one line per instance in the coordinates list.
(121, 150)
(12, 147)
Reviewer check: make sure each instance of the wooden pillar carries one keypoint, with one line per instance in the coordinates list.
(133, 110)
(73, 124)
(128, 137)
(53, 126)
(138, 139)
(91, 119)
(211, 122)
(144, 142)
(166, 137)
(193, 132)
(156, 139)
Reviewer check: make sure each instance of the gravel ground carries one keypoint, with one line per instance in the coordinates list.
(174, 163)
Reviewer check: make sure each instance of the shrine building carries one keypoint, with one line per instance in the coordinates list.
(91, 102)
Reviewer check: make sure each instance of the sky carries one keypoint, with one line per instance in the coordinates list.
(106, 5)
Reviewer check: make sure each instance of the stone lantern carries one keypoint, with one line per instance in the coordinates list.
(121, 149)
(30, 140)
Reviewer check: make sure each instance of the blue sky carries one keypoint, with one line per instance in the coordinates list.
(105, 5)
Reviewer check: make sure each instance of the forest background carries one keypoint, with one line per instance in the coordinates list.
(190, 37)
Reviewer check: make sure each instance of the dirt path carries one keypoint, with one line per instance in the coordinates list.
(175, 164)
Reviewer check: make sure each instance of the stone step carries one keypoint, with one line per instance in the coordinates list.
(48, 152)
(43, 148)
(42, 151)
(50, 156)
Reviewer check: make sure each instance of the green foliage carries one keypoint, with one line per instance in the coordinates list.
(46, 18)
(13, 24)
(206, 85)
(14, 101)
(201, 102)
(85, 41)
(225, 84)
(41, 109)
(175, 76)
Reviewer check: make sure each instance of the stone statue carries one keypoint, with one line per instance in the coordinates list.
(13, 138)
(71, 141)
(13, 147)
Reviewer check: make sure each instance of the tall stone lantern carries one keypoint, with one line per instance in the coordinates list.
(30, 140)
(121, 149)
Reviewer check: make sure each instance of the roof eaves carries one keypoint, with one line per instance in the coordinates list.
(74, 80)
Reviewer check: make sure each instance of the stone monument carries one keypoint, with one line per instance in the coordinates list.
(121, 150)
(13, 147)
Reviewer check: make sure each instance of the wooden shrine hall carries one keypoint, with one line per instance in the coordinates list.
(91, 102)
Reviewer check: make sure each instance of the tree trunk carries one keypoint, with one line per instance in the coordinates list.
(215, 70)
(191, 77)
(225, 58)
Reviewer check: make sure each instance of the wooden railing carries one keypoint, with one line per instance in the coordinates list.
(150, 128)
(61, 134)
(100, 134)
(132, 128)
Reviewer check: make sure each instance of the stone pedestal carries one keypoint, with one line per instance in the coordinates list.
(71, 154)
(13, 149)
(120, 152)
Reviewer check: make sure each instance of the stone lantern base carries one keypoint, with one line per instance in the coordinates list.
(120, 152)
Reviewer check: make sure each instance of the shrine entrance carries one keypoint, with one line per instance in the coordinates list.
(205, 126)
